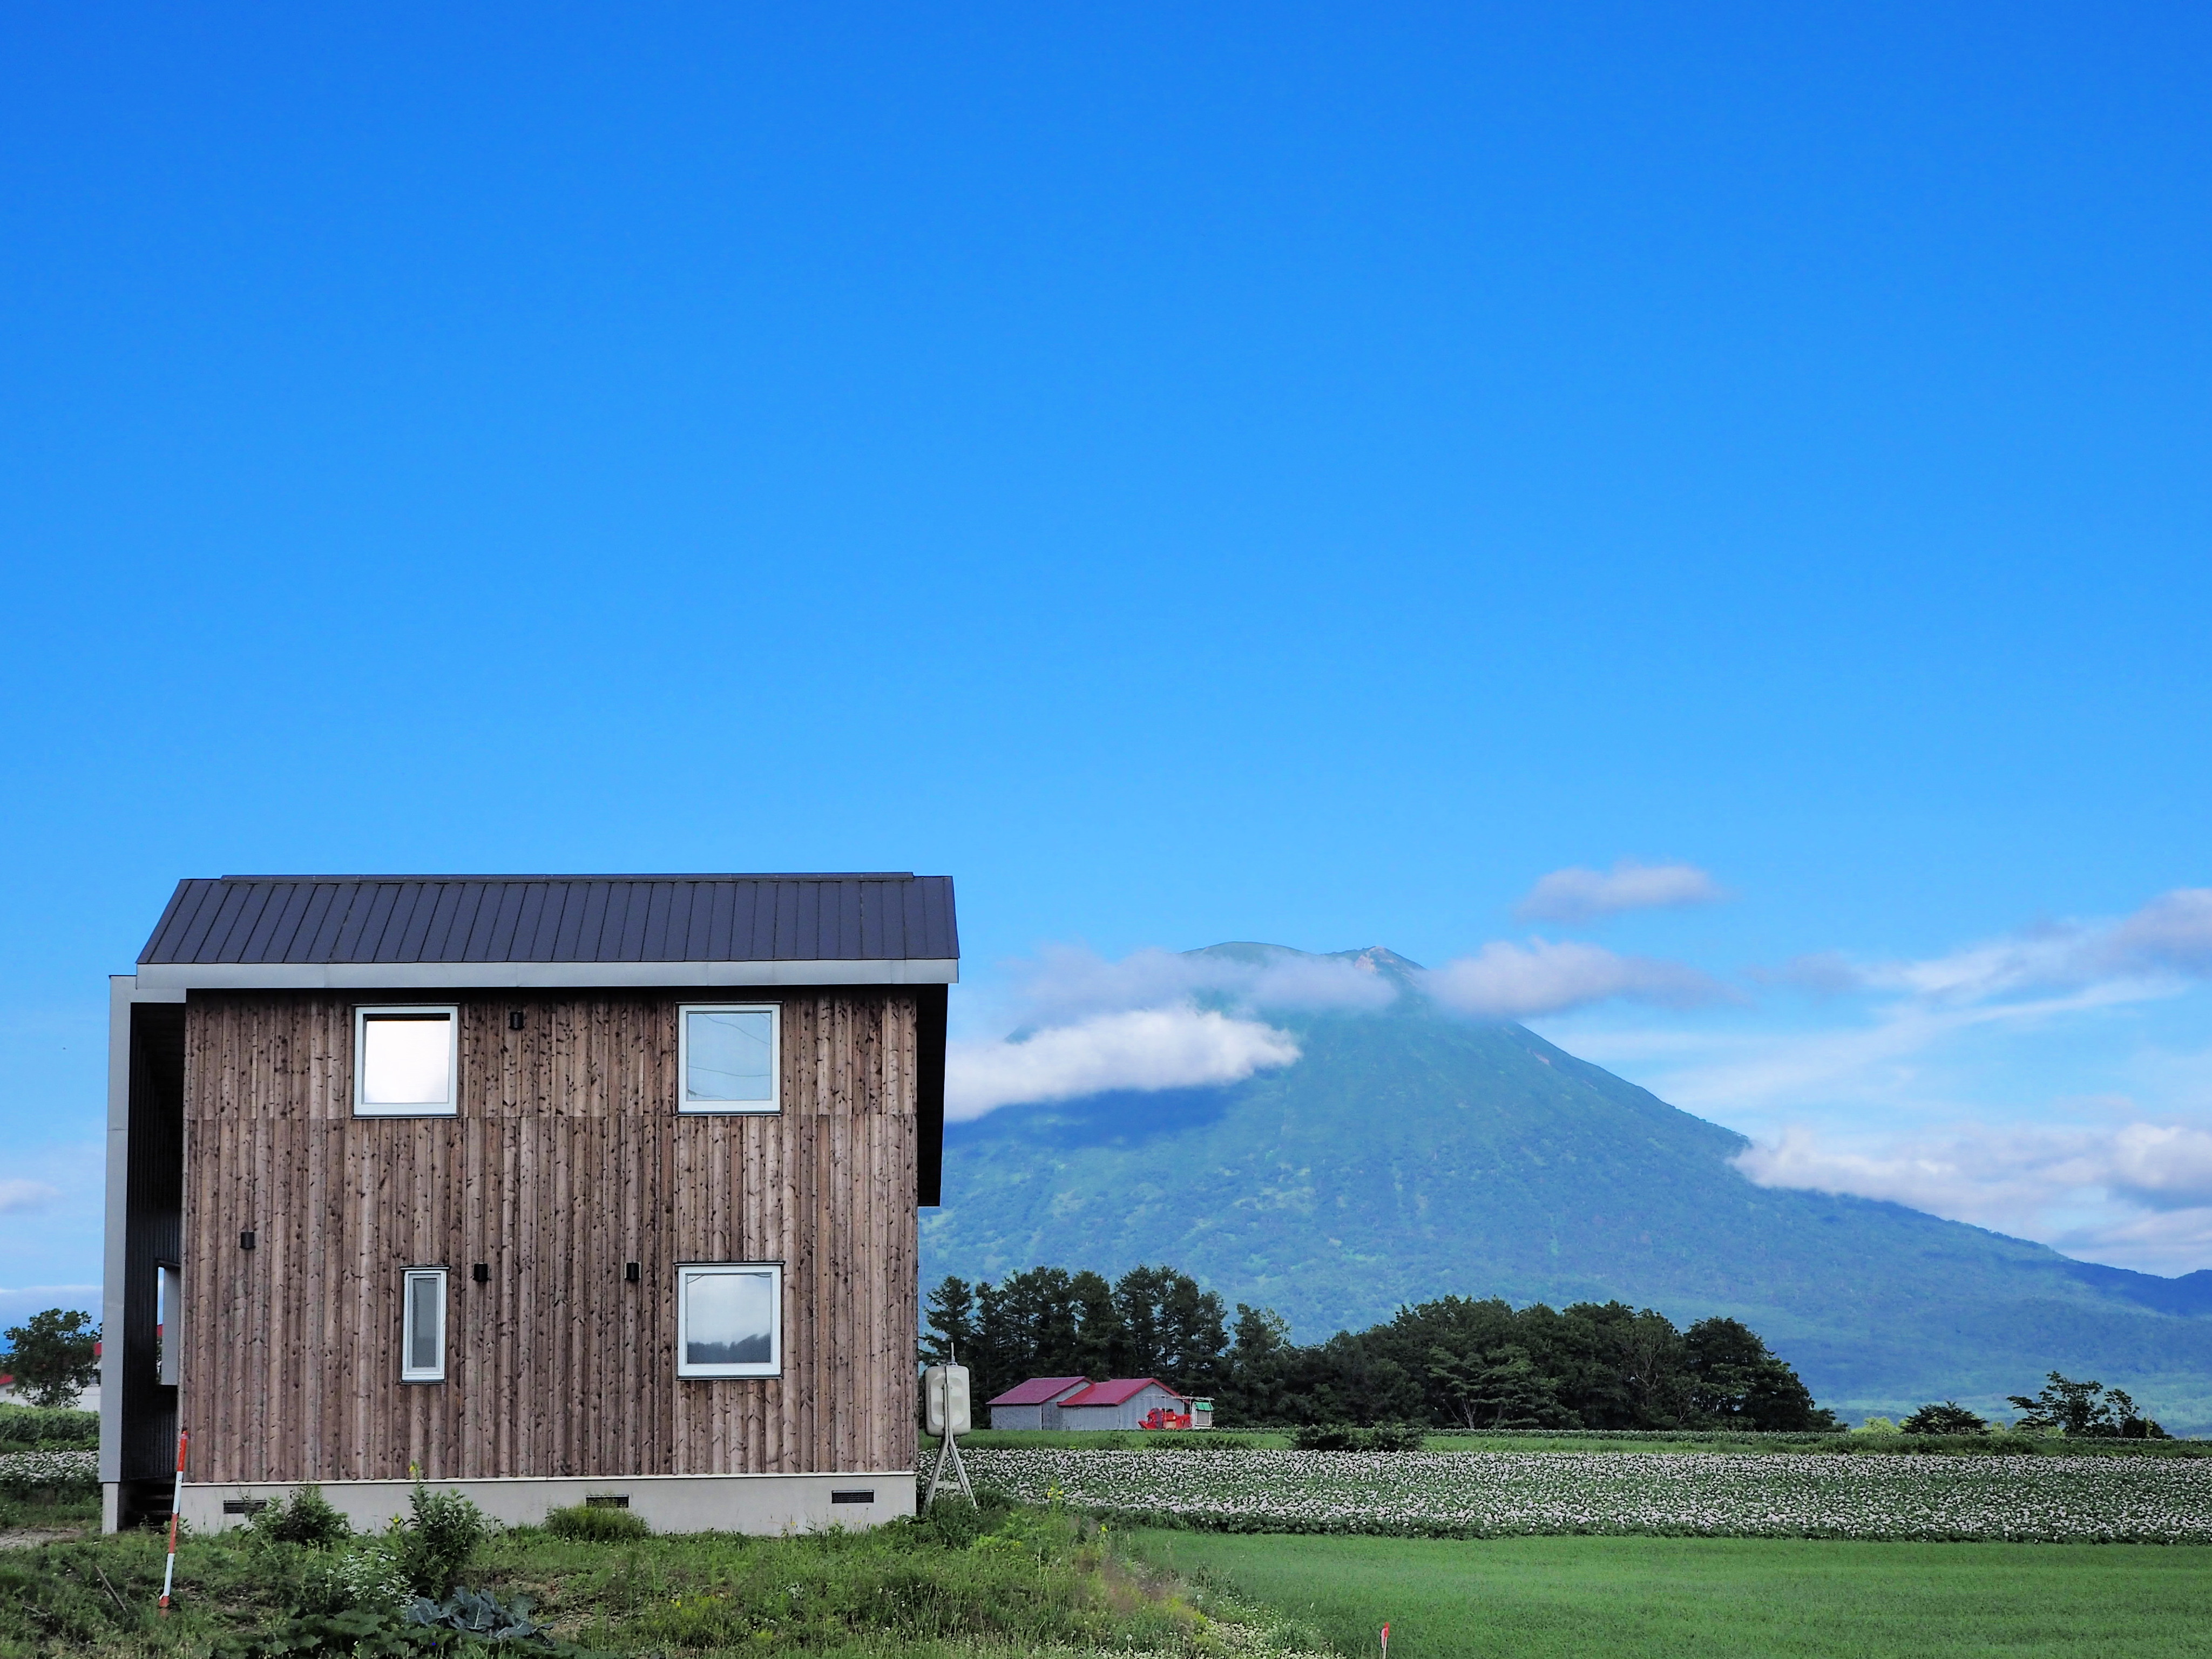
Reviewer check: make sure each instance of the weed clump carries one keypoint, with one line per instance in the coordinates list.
(591, 1524)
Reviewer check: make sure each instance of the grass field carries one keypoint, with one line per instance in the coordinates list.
(1646, 1598)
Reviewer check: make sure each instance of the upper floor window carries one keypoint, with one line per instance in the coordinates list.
(728, 1057)
(407, 1061)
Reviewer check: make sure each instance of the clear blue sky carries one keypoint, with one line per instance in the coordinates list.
(1292, 473)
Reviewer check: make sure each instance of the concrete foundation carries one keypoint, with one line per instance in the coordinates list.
(767, 1504)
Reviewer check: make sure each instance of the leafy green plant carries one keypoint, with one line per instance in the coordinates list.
(597, 1524)
(476, 1613)
(432, 1547)
(306, 1519)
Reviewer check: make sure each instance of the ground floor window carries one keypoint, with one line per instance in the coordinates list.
(729, 1319)
(422, 1327)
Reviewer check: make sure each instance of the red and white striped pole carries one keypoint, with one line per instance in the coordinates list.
(1386, 1641)
(176, 1505)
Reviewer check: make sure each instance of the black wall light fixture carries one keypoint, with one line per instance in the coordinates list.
(515, 1020)
(245, 1239)
(629, 1274)
(481, 1273)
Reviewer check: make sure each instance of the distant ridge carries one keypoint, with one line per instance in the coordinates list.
(1410, 1154)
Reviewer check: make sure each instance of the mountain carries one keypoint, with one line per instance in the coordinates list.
(1409, 1154)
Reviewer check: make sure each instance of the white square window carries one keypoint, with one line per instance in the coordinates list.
(407, 1061)
(728, 1057)
(422, 1327)
(729, 1319)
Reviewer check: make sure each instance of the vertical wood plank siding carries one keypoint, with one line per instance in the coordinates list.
(568, 1161)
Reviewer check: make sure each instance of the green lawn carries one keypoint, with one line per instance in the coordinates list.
(1626, 1598)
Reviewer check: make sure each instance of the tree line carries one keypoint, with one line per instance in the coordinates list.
(1455, 1363)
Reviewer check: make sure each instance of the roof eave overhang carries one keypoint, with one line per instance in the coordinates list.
(533, 975)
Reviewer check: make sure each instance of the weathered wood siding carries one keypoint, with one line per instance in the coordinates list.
(568, 1161)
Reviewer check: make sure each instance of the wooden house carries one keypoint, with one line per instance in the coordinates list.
(549, 1187)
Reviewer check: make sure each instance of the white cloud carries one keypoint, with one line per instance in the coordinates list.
(1145, 1049)
(2169, 939)
(2134, 1189)
(1576, 894)
(1504, 981)
(17, 1197)
(1064, 982)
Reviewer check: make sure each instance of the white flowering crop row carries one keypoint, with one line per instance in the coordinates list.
(22, 1474)
(1480, 1494)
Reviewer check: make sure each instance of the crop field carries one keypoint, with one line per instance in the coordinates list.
(1482, 1494)
(1695, 1598)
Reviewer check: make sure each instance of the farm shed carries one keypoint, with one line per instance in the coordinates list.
(553, 1187)
(1123, 1402)
(1034, 1404)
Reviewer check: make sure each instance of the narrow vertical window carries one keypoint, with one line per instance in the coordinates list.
(169, 1328)
(729, 1319)
(407, 1061)
(728, 1057)
(422, 1327)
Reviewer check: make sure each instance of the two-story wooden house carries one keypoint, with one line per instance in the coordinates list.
(548, 1187)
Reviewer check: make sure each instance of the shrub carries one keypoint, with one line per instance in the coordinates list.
(606, 1525)
(1949, 1418)
(1349, 1436)
(307, 1519)
(432, 1547)
(29, 1426)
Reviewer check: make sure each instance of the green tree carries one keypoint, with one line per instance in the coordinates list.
(1943, 1419)
(1503, 1389)
(949, 1323)
(1170, 1330)
(1949, 1418)
(1737, 1382)
(54, 1356)
(2085, 1410)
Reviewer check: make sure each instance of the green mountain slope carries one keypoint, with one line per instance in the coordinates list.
(1408, 1154)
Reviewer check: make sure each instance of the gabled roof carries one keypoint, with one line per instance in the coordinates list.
(1039, 1391)
(1116, 1390)
(267, 931)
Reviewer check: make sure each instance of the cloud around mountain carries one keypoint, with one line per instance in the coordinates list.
(1141, 1048)
(1162, 1019)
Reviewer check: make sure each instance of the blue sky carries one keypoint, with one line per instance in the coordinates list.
(1299, 473)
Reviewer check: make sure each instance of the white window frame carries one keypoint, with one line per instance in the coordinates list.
(361, 1015)
(409, 1279)
(768, 1107)
(685, 1272)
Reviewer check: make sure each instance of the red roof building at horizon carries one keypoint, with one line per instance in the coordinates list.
(1076, 1402)
(1034, 1404)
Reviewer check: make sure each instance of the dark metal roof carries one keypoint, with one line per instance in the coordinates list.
(564, 918)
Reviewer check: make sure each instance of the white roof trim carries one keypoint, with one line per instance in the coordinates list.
(531, 976)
